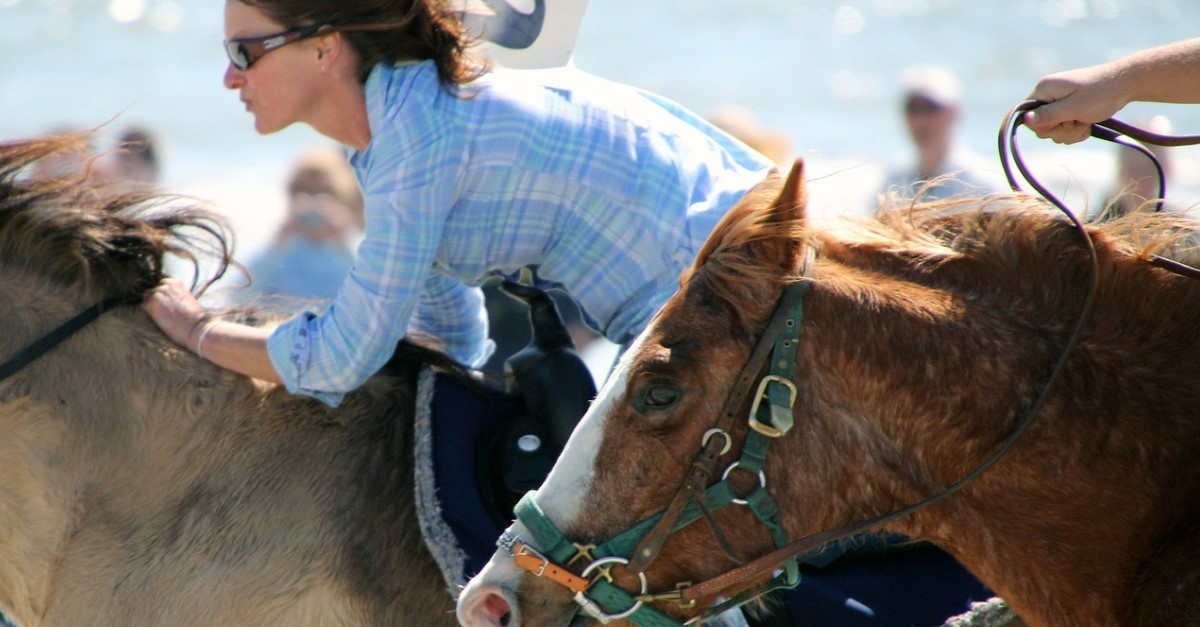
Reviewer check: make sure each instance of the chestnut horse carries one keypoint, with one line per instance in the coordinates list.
(921, 345)
(140, 485)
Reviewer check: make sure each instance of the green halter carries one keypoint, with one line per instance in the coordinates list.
(595, 591)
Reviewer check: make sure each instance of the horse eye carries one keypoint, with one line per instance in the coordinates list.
(660, 396)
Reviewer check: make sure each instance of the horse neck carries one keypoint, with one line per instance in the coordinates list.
(116, 404)
(946, 364)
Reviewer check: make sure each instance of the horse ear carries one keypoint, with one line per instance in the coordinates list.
(793, 198)
(790, 209)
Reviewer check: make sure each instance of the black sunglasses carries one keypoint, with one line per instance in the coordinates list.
(244, 52)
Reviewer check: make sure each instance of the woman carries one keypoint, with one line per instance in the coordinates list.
(607, 190)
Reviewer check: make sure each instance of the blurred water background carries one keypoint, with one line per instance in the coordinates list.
(823, 72)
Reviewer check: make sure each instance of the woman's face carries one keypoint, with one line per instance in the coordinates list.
(280, 87)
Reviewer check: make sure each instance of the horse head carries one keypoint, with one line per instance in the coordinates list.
(633, 448)
(780, 402)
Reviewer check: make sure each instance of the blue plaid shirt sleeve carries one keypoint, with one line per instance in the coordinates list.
(408, 192)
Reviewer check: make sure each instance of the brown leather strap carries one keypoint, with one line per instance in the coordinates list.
(1142, 134)
(529, 559)
(704, 462)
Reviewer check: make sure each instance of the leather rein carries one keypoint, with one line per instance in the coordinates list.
(594, 589)
(56, 336)
(1111, 130)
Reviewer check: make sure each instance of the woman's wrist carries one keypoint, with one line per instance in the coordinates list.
(200, 331)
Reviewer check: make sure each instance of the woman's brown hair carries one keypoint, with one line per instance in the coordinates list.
(387, 31)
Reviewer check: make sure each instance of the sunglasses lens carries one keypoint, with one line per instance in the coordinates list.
(238, 55)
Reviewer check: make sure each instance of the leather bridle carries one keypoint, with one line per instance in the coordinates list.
(56, 336)
(770, 417)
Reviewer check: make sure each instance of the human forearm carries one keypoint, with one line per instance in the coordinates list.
(1081, 97)
(233, 346)
(1169, 73)
(236, 347)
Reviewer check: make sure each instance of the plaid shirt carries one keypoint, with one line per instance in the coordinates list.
(608, 190)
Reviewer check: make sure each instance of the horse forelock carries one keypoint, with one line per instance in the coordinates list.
(78, 236)
(731, 267)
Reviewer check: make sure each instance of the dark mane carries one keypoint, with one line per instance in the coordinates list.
(97, 245)
(103, 245)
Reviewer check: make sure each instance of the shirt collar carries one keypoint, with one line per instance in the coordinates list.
(385, 88)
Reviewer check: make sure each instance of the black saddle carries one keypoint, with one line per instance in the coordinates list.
(554, 389)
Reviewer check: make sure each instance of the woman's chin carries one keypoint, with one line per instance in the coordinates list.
(267, 127)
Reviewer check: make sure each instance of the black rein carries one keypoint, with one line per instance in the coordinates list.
(65, 330)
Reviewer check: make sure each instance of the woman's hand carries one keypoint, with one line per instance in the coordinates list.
(233, 346)
(176, 311)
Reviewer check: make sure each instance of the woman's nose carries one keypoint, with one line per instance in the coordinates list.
(234, 78)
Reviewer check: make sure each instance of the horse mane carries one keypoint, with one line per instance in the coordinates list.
(78, 236)
(1004, 234)
(968, 223)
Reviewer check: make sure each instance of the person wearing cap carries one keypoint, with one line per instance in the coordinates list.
(1076, 99)
(943, 167)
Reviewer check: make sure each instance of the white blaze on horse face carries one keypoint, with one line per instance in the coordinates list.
(565, 490)
(562, 497)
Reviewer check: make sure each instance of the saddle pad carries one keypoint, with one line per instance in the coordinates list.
(450, 420)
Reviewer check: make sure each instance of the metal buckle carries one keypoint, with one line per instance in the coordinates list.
(590, 607)
(674, 595)
(770, 431)
(528, 551)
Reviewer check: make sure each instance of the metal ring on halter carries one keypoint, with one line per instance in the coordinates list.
(601, 616)
(762, 480)
(717, 431)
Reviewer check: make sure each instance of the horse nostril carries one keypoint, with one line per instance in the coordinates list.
(497, 609)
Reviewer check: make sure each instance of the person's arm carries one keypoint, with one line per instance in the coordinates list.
(233, 346)
(1078, 98)
(455, 314)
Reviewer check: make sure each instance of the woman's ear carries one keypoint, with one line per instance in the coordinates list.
(337, 55)
(328, 49)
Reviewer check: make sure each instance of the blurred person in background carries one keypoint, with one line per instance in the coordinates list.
(1135, 185)
(943, 167)
(744, 126)
(134, 162)
(313, 250)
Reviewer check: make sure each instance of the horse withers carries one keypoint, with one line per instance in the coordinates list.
(924, 340)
